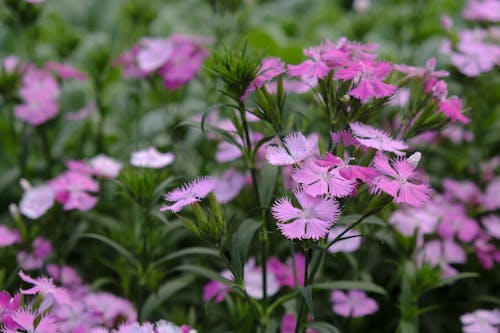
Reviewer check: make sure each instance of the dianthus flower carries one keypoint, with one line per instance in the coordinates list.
(36, 201)
(422, 72)
(310, 70)
(354, 303)
(229, 185)
(287, 274)
(45, 287)
(311, 221)
(189, 193)
(151, 158)
(491, 197)
(65, 71)
(318, 180)
(400, 180)
(369, 76)
(346, 170)
(442, 254)
(8, 305)
(481, 321)
(8, 236)
(482, 10)
(270, 68)
(105, 166)
(372, 137)
(71, 189)
(492, 225)
(351, 243)
(296, 149)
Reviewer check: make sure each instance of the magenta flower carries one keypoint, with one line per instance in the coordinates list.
(400, 180)
(8, 236)
(422, 72)
(354, 303)
(151, 158)
(296, 149)
(481, 321)
(8, 305)
(286, 273)
(270, 68)
(487, 253)
(345, 137)
(189, 193)
(492, 225)
(372, 137)
(289, 323)
(369, 76)
(310, 70)
(455, 222)
(46, 288)
(39, 92)
(348, 245)
(452, 108)
(37, 201)
(71, 189)
(66, 275)
(229, 185)
(442, 254)
(318, 180)
(105, 166)
(348, 171)
(311, 221)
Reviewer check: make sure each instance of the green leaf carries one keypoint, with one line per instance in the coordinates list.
(8, 178)
(489, 299)
(323, 327)
(306, 292)
(207, 273)
(455, 278)
(267, 181)
(168, 289)
(372, 219)
(120, 249)
(185, 252)
(347, 285)
(241, 242)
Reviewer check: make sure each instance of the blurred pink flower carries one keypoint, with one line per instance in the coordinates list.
(491, 197)
(286, 273)
(296, 149)
(270, 68)
(482, 10)
(109, 308)
(442, 254)
(37, 201)
(66, 275)
(253, 280)
(153, 53)
(481, 321)
(189, 193)
(354, 303)
(311, 221)
(71, 189)
(65, 71)
(400, 180)
(81, 114)
(105, 166)
(289, 323)
(487, 253)
(348, 171)
(374, 138)
(423, 220)
(345, 137)
(46, 288)
(368, 76)
(422, 72)
(9, 305)
(452, 108)
(310, 70)
(8, 236)
(351, 244)
(216, 291)
(151, 158)
(229, 185)
(492, 225)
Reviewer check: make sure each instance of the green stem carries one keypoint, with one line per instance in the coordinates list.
(46, 151)
(358, 221)
(302, 316)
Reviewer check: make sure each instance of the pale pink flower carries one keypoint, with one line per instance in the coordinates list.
(348, 245)
(105, 166)
(42, 248)
(481, 321)
(46, 288)
(475, 55)
(39, 92)
(71, 189)
(8, 236)
(487, 253)
(289, 323)
(229, 185)
(373, 137)
(189, 193)
(66, 275)
(491, 197)
(423, 220)
(311, 221)
(482, 10)
(151, 158)
(270, 68)
(79, 166)
(253, 280)
(310, 70)
(422, 72)
(446, 22)
(128, 60)
(492, 225)
(289, 86)
(400, 180)
(465, 191)
(9, 64)
(368, 76)
(318, 180)
(65, 71)
(37, 201)
(153, 53)
(229, 151)
(457, 134)
(35, 1)
(345, 137)
(354, 303)
(110, 308)
(361, 6)
(456, 223)
(81, 114)
(296, 149)
(286, 273)
(400, 98)
(442, 254)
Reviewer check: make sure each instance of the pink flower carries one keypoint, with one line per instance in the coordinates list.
(270, 68)
(491, 198)
(8, 236)
(229, 151)
(310, 70)
(345, 137)
(422, 72)
(253, 280)
(369, 76)
(348, 245)
(452, 108)
(318, 180)
(8, 305)
(26, 317)
(229, 185)
(71, 190)
(442, 254)
(128, 60)
(481, 321)
(189, 193)
(105, 166)
(296, 149)
(475, 55)
(354, 303)
(39, 92)
(65, 71)
(109, 308)
(37, 201)
(372, 137)
(348, 171)
(66, 275)
(455, 222)
(311, 221)
(400, 180)
(492, 225)
(46, 288)
(482, 10)
(42, 248)
(424, 220)
(153, 53)
(81, 114)
(486, 252)
(151, 158)
(287, 274)
(289, 323)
